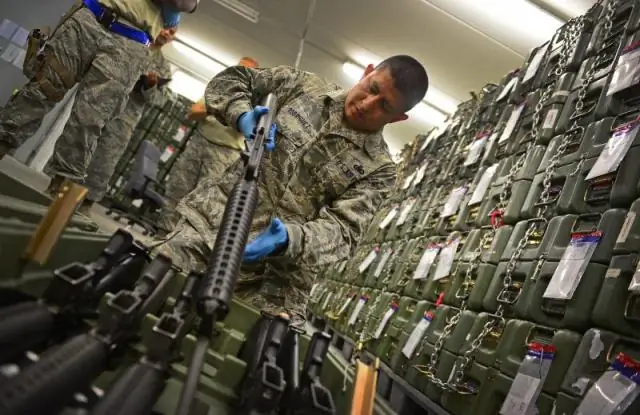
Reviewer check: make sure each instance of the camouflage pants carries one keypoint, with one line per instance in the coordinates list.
(111, 145)
(105, 65)
(256, 286)
(200, 159)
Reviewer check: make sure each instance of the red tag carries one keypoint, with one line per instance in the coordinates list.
(497, 218)
(628, 362)
(440, 298)
(542, 348)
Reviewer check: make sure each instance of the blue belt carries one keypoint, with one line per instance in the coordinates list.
(110, 21)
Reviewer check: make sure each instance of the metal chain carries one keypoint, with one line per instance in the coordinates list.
(569, 37)
(365, 332)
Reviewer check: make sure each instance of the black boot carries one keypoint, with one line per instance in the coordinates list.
(54, 185)
(4, 150)
(85, 207)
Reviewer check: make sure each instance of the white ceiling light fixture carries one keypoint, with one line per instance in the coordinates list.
(434, 98)
(200, 59)
(240, 9)
(187, 86)
(353, 71)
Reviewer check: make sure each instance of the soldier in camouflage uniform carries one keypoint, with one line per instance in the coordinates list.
(98, 45)
(209, 152)
(319, 188)
(117, 133)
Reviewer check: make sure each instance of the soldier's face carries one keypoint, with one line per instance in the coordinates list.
(374, 101)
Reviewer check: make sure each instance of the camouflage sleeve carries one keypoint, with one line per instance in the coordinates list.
(338, 227)
(237, 90)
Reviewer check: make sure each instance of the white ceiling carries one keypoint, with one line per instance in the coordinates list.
(463, 43)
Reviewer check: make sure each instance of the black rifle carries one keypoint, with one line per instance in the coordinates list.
(47, 385)
(311, 397)
(220, 278)
(139, 388)
(264, 385)
(72, 294)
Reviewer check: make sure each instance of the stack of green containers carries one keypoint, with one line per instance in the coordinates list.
(501, 276)
(168, 128)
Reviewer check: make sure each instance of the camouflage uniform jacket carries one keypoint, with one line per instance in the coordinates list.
(324, 180)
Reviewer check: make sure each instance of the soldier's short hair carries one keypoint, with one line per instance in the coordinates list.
(249, 60)
(409, 76)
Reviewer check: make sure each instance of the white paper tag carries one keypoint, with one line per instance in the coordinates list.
(533, 66)
(387, 220)
(483, 185)
(573, 264)
(453, 202)
(613, 153)
(408, 181)
(326, 301)
(550, 119)
(384, 322)
(634, 286)
(511, 123)
(447, 254)
(342, 266)
(427, 259)
(626, 227)
(610, 392)
(475, 150)
(520, 395)
(490, 145)
(383, 261)
(166, 155)
(408, 207)
(416, 336)
(627, 72)
(507, 88)
(356, 311)
(368, 260)
(345, 305)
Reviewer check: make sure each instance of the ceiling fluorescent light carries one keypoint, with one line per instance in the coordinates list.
(520, 16)
(201, 60)
(187, 86)
(353, 71)
(240, 9)
(438, 100)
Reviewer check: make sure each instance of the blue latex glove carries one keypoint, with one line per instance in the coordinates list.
(170, 16)
(268, 242)
(247, 126)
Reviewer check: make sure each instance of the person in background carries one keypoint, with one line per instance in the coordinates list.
(210, 151)
(319, 187)
(97, 45)
(118, 132)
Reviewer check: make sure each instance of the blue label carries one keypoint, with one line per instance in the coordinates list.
(586, 238)
(627, 372)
